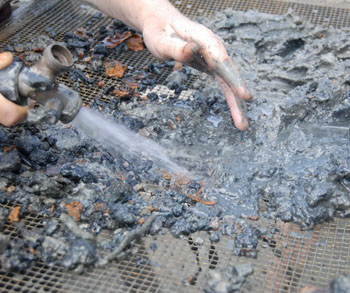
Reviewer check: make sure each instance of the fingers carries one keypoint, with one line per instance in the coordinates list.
(198, 47)
(213, 55)
(229, 73)
(237, 106)
(6, 59)
(10, 113)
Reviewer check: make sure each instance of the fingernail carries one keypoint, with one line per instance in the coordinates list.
(244, 93)
(243, 123)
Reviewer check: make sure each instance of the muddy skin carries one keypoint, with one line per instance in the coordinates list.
(198, 62)
(228, 73)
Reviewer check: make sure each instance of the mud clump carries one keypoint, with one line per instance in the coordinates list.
(340, 284)
(227, 280)
(294, 156)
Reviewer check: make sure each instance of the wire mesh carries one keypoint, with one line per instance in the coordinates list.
(289, 261)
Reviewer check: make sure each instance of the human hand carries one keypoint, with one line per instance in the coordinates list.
(10, 113)
(170, 35)
(195, 45)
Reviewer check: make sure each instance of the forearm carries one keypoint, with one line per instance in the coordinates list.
(135, 13)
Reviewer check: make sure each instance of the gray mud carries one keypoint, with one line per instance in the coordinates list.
(227, 280)
(295, 156)
(292, 163)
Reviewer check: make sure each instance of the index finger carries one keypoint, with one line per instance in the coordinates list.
(237, 106)
(229, 73)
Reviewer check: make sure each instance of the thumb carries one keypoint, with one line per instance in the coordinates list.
(6, 59)
(10, 113)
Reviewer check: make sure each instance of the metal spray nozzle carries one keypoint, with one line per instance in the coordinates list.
(38, 82)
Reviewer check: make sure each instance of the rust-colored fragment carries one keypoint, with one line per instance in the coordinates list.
(112, 42)
(131, 83)
(52, 208)
(7, 149)
(135, 43)
(198, 199)
(80, 162)
(253, 218)
(114, 68)
(201, 188)
(14, 214)
(3, 188)
(101, 83)
(171, 126)
(31, 250)
(166, 176)
(99, 207)
(140, 76)
(192, 280)
(121, 92)
(177, 66)
(141, 221)
(11, 189)
(38, 49)
(207, 202)
(74, 209)
(81, 33)
(178, 118)
(152, 209)
(183, 180)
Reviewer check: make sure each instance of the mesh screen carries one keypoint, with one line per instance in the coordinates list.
(290, 261)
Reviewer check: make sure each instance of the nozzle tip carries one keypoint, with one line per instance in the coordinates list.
(51, 117)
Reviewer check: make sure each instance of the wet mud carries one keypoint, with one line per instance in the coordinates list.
(294, 157)
(228, 279)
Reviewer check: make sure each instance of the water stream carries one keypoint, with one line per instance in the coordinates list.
(118, 138)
